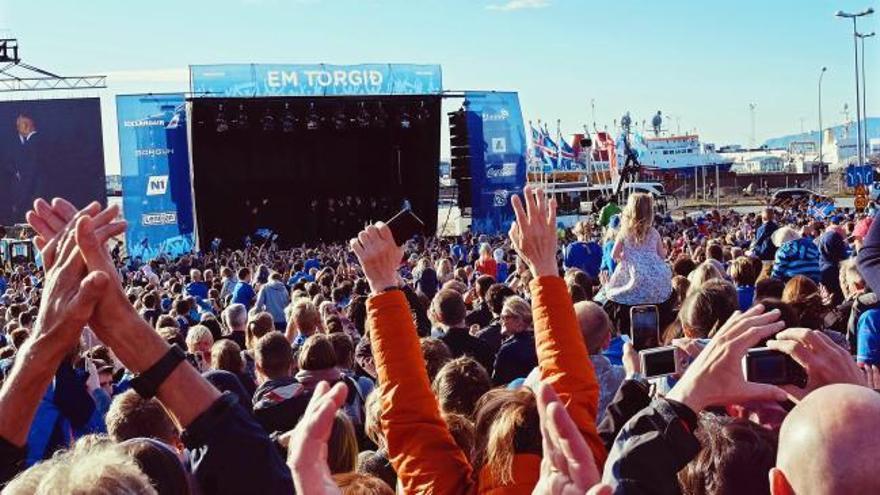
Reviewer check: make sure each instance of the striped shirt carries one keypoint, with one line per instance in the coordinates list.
(797, 257)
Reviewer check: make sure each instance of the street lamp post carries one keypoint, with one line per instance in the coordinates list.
(865, 92)
(821, 129)
(854, 18)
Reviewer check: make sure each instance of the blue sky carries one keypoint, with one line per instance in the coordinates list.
(702, 62)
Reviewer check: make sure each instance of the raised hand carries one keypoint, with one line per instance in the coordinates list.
(307, 444)
(872, 375)
(379, 256)
(826, 363)
(533, 234)
(568, 466)
(715, 377)
(69, 298)
(51, 221)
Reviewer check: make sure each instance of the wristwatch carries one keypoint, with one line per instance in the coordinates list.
(147, 384)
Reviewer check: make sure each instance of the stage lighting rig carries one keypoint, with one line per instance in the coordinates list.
(380, 118)
(313, 120)
(220, 120)
(363, 118)
(288, 120)
(423, 114)
(405, 119)
(241, 119)
(268, 121)
(340, 119)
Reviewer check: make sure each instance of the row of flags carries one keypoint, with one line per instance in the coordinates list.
(549, 154)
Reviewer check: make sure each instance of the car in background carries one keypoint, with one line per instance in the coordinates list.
(792, 196)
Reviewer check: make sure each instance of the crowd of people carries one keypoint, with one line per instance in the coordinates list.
(477, 364)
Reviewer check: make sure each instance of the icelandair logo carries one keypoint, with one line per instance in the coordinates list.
(157, 185)
(143, 123)
(154, 152)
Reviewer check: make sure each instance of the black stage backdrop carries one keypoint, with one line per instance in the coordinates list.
(310, 185)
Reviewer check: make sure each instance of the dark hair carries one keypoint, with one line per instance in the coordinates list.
(683, 265)
(226, 355)
(449, 306)
(459, 384)
(243, 274)
(132, 416)
(706, 309)
(436, 354)
(317, 353)
(343, 347)
(736, 457)
(160, 464)
(496, 295)
(769, 287)
(482, 285)
(715, 251)
(273, 355)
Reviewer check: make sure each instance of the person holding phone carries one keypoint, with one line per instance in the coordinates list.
(642, 276)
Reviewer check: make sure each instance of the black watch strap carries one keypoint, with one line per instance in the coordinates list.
(147, 384)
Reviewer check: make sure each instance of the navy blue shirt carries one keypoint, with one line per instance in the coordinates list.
(586, 256)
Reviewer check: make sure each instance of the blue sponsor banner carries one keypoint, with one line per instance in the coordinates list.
(156, 187)
(256, 80)
(496, 127)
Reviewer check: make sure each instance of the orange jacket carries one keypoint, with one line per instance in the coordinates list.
(420, 447)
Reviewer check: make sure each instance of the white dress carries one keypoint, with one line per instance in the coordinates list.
(641, 276)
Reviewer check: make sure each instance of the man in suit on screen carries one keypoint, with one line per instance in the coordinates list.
(26, 174)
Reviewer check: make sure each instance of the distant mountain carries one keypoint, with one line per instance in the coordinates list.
(783, 142)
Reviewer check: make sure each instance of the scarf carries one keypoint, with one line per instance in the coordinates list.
(311, 378)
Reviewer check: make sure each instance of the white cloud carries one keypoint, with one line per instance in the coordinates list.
(519, 5)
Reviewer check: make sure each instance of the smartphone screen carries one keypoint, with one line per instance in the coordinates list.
(658, 362)
(645, 327)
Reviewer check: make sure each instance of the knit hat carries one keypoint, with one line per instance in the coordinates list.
(783, 235)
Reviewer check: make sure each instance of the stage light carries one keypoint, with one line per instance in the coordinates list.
(268, 121)
(380, 118)
(241, 120)
(405, 120)
(423, 114)
(288, 120)
(363, 117)
(340, 119)
(220, 120)
(313, 121)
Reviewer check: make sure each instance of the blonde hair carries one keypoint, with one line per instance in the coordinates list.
(703, 273)
(519, 307)
(94, 466)
(637, 217)
(197, 335)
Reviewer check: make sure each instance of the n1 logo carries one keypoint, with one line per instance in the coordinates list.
(157, 185)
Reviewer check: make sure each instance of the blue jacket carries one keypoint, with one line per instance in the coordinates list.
(273, 298)
(763, 247)
(586, 256)
(746, 296)
(231, 453)
(66, 408)
(797, 257)
(244, 294)
(832, 250)
(608, 263)
(515, 359)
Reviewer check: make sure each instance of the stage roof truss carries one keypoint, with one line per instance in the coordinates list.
(16, 75)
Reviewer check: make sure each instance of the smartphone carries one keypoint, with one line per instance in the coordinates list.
(661, 361)
(644, 327)
(764, 365)
(404, 226)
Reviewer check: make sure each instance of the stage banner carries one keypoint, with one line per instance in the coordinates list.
(256, 80)
(156, 187)
(498, 151)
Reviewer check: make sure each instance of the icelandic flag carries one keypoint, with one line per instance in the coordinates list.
(549, 150)
(569, 157)
(537, 142)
